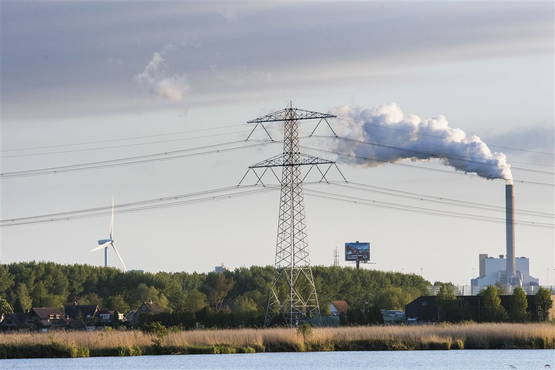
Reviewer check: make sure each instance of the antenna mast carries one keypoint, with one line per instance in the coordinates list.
(336, 257)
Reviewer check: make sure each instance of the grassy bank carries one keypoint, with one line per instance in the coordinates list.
(363, 338)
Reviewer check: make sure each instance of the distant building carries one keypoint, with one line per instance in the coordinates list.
(147, 308)
(150, 308)
(84, 312)
(46, 318)
(493, 271)
(220, 268)
(106, 317)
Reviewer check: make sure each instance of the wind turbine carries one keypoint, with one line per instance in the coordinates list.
(106, 243)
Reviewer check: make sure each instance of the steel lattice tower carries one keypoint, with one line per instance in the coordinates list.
(293, 292)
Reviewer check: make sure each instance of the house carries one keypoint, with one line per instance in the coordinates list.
(47, 318)
(132, 317)
(84, 312)
(338, 307)
(15, 321)
(146, 308)
(109, 317)
(150, 308)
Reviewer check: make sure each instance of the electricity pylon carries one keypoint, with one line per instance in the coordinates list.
(293, 292)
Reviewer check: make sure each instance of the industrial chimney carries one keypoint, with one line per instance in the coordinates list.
(510, 229)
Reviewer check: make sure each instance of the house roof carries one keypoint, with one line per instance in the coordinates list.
(85, 310)
(44, 313)
(105, 312)
(149, 307)
(341, 306)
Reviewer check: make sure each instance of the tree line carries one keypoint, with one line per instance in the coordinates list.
(230, 298)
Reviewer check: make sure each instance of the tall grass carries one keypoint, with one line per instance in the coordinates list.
(444, 336)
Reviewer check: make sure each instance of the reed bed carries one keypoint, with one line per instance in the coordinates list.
(132, 342)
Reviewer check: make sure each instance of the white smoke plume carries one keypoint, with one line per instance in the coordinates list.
(155, 78)
(397, 136)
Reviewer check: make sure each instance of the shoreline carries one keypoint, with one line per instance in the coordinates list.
(230, 341)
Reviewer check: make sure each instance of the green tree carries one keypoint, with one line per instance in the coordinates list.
(39, 294)
(393, 298)
(243, 304)
(6, 279)
(447, 292)
(243, 289)
(195, 301)
(492, 310)
(116, 302)
(144, 293)
(519, 306)
(543, 303)
(448, 303)
(60, 282)
(216, 287)
(23, 299)
(92, 299)
(5, 308)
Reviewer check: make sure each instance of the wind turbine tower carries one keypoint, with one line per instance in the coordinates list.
(107, 243)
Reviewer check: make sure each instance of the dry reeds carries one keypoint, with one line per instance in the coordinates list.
(443, 336)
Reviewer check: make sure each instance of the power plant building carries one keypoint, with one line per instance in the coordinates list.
(493, 271)
(510, 272)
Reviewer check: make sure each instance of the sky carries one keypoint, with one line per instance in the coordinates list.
(86, 81)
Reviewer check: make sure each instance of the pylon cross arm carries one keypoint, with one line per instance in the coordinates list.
(291, 114)
(282, 160)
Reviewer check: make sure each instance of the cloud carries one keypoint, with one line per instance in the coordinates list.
(156, 79)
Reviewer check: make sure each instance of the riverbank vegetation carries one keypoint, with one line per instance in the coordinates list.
(235, 298)
(362, 338)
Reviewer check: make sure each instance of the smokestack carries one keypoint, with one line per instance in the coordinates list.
(510, 229)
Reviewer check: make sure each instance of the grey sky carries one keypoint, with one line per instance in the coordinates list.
(68, 76)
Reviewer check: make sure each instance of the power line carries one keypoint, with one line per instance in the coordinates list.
(438, 200)
(235, 191)
(123, 139)
(420, 210)
(417, 167)
(521, 150)
(134, 206)
(120, 206)
(132, 160)
(120, 145)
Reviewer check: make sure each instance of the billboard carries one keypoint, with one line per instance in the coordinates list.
(357, 251)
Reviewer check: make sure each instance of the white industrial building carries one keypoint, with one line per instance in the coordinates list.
(493, 271)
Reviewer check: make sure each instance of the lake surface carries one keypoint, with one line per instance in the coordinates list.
(463, 359)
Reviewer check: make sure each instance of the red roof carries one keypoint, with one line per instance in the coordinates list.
(341, 306)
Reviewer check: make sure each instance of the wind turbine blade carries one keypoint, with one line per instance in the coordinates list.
(112, 222)
(101, 246)
(119, 256)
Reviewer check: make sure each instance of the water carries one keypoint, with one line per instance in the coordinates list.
(464, 359)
